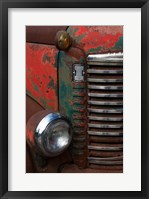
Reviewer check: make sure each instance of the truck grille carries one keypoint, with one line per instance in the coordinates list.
(105, 111)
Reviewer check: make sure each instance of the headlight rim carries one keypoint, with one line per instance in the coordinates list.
(41, 130)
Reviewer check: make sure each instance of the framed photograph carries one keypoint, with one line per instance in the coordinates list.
(74, 99)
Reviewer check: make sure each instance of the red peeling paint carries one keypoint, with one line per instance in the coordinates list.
(96, 39)
(30, 136)
(41, 74)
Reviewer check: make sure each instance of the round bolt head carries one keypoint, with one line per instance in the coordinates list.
(62, 40)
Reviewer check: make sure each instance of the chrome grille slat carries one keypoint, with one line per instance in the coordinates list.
(100, 133)
(96, 63)
(106, 162)
(107, 158)
(101, 148)
(110, 95)
(109, 57)
(105, 126)
(116, 110)
(104, 80)
(105, 87)
(104, 71)
(105, 118)
(105, 109)
(107, 103)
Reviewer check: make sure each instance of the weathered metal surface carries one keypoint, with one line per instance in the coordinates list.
(107, 95)
(29, 161)
(72, 99)
(66, 90)
(62, 40)
(106, 133)
(42, 164)
(105, 87)
(41, 74)
(42, 34)
(106, 58)
(105, 71)
(106, 139)
(105, 110)
(105, 126)
(97, 39)
(78, 72)
(106, 162)
(105, 148)
(72, 96)
(107, 119)
(107, 103)
(102, 80)
(72, 168)
(32, 107)
(108, 110)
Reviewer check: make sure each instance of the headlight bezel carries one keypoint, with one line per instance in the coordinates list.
(41, 130)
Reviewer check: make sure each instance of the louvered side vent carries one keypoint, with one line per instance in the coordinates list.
(105, 111)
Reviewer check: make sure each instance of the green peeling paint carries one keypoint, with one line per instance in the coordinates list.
(65, 64)
(43, 102)
(119, 44)
(91, 50)
(36, 87)
(51, 83)
(72, 32)
(46, 58)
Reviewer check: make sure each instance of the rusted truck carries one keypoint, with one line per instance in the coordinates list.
(74, 99)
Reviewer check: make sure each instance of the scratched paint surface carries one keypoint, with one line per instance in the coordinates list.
(97, 39)
(41, 74)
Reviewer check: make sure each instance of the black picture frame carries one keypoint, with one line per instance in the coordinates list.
(4, 6)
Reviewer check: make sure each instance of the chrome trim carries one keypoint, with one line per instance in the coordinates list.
(108, 57)
(115, 119)
(94, 71)
(105, 87)
(101, 148)
(104, 80)
(118, 103)
(41, 134)
(116, 110)
(106, 162)
(105, 63)
(45, 121)
(105, 133)
(105, 126)
(105, 95)
(108, 158)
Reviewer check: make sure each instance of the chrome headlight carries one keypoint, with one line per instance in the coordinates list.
(53, 134)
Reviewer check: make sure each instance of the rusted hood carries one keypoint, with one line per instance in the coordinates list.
(42, 34)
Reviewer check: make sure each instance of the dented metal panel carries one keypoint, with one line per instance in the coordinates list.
(41, 74)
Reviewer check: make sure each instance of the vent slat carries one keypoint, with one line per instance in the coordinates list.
(107, 158)
(106, 162)
(114, 119)
(105, 126)
(102, 133)
(105, 95)
(101, 148)
(95, 71)
(105, 87)
(99, 80)
(107, 103)
(116, 110)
